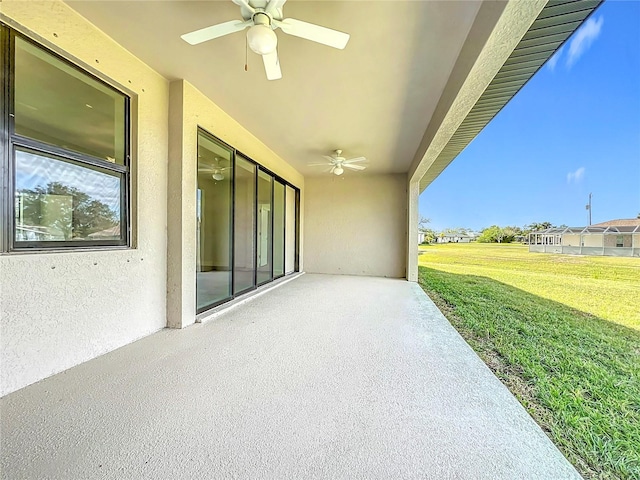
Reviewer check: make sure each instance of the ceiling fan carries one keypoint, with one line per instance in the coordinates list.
(263, 17)
(216, 170)
(338, 163)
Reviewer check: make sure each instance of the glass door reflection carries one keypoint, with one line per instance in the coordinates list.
(278, 228)
(290, 231)
(214, 206)
(264, 245)
(244, 226)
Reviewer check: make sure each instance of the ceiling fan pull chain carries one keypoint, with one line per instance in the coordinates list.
(246, 54)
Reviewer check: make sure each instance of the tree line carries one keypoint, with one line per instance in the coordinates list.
(78, 217)
(492, 234)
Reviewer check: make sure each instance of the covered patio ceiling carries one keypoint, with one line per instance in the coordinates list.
(375, 98)
(416, 83)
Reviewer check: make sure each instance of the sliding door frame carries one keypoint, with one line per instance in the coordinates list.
(274, 177)
(255, 223)
(231, 232)
(270, 229)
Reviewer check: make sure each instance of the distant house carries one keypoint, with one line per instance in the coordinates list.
(457, 238)
(111, 232)
(618, 238)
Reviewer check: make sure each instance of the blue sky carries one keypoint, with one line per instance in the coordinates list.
(573, 129)
(37, 171)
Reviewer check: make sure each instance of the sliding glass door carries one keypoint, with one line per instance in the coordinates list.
(290, 231)
(265, 227)
(278, 228)
(247, 224)
(214, 204)
(244, 255)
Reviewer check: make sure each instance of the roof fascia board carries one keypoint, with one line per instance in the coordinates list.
(456, 127)
(485, 51)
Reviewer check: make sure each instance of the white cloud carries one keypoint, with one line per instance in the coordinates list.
(34, 170)
(576, 176)
(583, 39)
(554, 59)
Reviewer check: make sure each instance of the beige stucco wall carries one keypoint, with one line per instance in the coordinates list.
(60, 309)
(356, 224)
(413, 216)
(571, 240)
(190, 109)
(593, 240)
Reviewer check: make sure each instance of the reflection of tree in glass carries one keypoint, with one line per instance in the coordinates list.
(78, 218)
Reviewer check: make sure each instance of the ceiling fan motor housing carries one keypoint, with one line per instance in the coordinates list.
(261, 18)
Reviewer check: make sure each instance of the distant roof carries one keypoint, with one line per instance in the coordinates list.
(461, 235)
(623, 222)
(604, 228)
(109, 232)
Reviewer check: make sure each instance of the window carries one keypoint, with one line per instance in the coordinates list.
(619, 241)
(66, 143)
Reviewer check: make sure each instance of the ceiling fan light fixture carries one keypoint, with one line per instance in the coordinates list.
(338, 170)
(262, 18)
(262, 39)
(217, 176)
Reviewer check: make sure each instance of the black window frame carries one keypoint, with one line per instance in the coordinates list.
(11, 142)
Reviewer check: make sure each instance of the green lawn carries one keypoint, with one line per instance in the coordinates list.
(576, 372)
(607, 287)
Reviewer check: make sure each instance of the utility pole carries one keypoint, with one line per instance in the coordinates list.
(588, 207)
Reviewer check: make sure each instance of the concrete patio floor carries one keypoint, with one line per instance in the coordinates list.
(324, 377)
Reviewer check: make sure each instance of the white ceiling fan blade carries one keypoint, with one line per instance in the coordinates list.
(272, 65)
(215, 31)
(355, 160)
(328, 158)
(245, 4)
(353, 167)
(315, 33)
(273, 5)
(317, 165)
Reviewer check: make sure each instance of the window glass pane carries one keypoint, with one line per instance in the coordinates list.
(278, 229)
(60, 200)
(58, 104)
(244, 225)
(215, 175)
(290, 235)
(265, 236)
